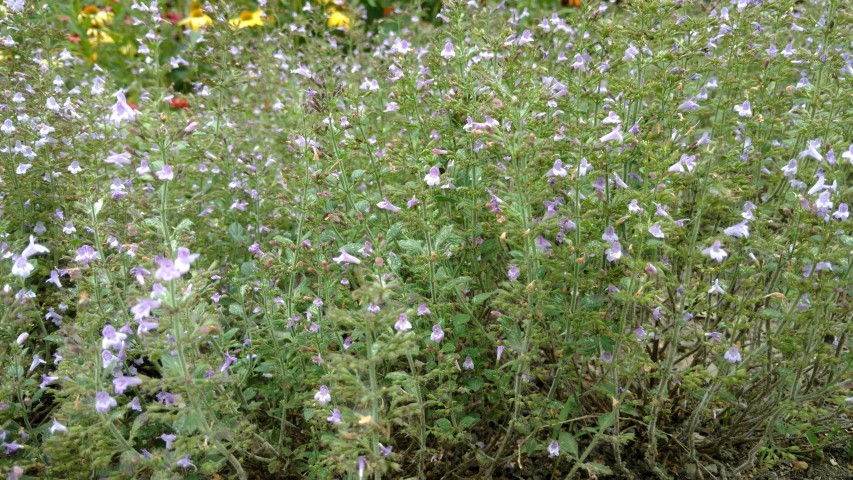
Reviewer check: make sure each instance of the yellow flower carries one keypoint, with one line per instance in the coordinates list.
(338, 19)
(197, 20)
(128, 50)
(248, 19)
(97, 18)
(98, 36)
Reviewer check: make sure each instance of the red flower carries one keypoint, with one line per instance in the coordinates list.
(178, 102)
(174, 17)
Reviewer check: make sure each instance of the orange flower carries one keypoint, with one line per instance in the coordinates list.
(178, 102)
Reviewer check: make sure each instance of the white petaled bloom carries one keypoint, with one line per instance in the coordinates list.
(121, 110)
(740, 230)
(716, 288)
(433, 178)
(554, 449)
(386, 204)
(848, 155)
(448, 52)
(716, 252)
(22, 268)
(612, 119)
(346, 258)
(614, 252)
(323, 396)
(812, 150)
(33, 248)
(57, 427)
(733, 355)
(744, 109)
(403, 324)
(615, 135)
(634, 207)
(8, 128)
(656, 231)
(557, 170)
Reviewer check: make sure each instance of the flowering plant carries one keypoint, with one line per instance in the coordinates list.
(517, 240)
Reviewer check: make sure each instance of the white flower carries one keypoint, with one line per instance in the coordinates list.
(744, 109)
(121, 110)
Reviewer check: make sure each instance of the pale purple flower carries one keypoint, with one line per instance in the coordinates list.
(614, 252)
(739, 230)
(557, 170)
(716, 252)
(554, 449)
(104, 402)
(423, 310)
(437, 334)
(716, 288)
(385, 450)
(468, 364)
(22, 338)
(403, 324)
(412, 202)
(790, 169)
(86, 254)
(168, 438)
(135, 404)
(688, 105)
(362, 465)
(142, 308)
(184, 259)
(120, 384)
(166, 270)
(57, 427)
(21, 267)
(606, 357)
(733, 355)
(433, 178)
(33, 248)
(812, 150)
(346, 258)
(848, 155)
(513, 272)
(112, 338)
(640, 333)
(744, 109)
(121, 111)
(843, 212)
(499, 352)
(656, 231)
(543, 244)
(609, 235)
(634, 207)
(386, 204)
(118, 159)
(615, 135)
(335, 417)
(448, 52)
(37, 361)
(165, 173)
(185, 462)
(630, 53)
(323, 396)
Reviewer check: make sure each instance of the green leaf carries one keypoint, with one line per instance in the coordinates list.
(411, 247)
(189, 422)
(568, 444)
(478, 299)
(468, 421)
(444, 424)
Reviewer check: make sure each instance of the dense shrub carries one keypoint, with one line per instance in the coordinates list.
(516, 240)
